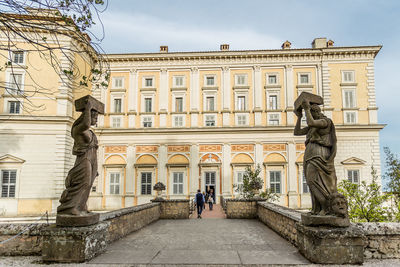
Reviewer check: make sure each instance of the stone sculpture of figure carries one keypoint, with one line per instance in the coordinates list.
(338, 205)
(81, 177)
(319, 156)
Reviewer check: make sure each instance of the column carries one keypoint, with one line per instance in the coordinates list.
(194, 96)
(163, 97)
(132, 97)
(162, 164)
(257, 95)
(292, 176)
(194, 169)
(226, 96)
(226, 170)
(289, 94)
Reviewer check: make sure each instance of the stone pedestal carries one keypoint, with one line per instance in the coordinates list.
(77, 220)
(315, 220)
(73, 244)
(331, 245)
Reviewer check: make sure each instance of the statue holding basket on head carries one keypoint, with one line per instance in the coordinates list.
(319, 155)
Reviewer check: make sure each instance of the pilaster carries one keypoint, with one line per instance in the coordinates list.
(163, 97)
(162, 164)
(372, 108)
(289, 94)
(194, 169)
(226, 174)
(226, 95)
(257, 95)
(292, 176)
(130, 171)
(194, 89)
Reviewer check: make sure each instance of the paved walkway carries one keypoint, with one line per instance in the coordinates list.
(217, 241)
(216, 213)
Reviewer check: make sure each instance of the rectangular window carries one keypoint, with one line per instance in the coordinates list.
(349, 99)
(305, 186)
(146, 183)
(179, 104)
(210, 103)
(210, 120)
(118, 82)
(273, 102)
(273, 119)
(241, 79)
(239, 180)
(304, 79)
(116, 122)
(148, 104)
(114, 183)
(241, 119)
(147, 122)
(18, 57)
(350, 117)
(117, 105)
(210, 80)
(8, 183)
(348, 77)
(272, 79)
(177, 183)
(178, 121)
(148, 82)
(178, 81)
(241, 103)
(14, 107)
(210, 178)
(275, 181)
(15, 83)
(353, 176)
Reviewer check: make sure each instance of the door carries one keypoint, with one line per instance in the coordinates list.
(210, 183)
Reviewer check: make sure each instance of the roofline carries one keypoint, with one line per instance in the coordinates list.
(375, 49)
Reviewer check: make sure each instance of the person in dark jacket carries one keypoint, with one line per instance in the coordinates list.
(199, 200)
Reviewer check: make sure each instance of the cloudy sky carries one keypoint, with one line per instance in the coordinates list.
(142, 26)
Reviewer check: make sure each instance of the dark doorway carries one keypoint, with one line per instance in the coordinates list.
(210, 183)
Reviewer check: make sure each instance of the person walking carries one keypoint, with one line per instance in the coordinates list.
(210, 200)
(199, 200)
(205, 200)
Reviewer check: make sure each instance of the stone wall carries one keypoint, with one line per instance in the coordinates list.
(174, 208)
(127, 220)
(382, 240)
(120, 223)
(280, 219)
(28, 243)
(240, 209)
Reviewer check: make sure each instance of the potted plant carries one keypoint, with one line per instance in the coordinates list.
(252, 183)
(159, 187)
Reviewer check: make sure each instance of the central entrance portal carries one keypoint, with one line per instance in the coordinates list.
(210, 183)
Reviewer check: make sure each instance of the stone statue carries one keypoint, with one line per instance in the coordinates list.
(73, 209)
(319, 169)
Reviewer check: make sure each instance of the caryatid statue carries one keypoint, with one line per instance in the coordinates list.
(73, 209)
(318, 165)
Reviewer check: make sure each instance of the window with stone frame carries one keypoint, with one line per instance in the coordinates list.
(146, 183)
(275, 181)
(177, 184)
(8, 183)
(115, 178)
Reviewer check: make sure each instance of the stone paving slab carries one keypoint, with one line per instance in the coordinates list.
(202, 241)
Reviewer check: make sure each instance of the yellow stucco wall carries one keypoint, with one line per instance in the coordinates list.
(33, 206)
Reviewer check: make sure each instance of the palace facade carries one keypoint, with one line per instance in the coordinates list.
(191, 120)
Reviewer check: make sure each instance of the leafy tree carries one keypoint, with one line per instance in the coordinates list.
(41, 28)
(365, 201)
(252, 183)
(392, 174)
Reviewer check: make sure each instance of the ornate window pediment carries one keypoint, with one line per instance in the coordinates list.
(353, 161)
(7, 158)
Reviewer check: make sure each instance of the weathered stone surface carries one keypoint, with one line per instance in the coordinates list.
(28, 243)
(81, 104)
(312, 98)
(174, 208)
(327, 220)
(241, 208)
(74, 244)
(66, 220)
(331, 245)
(125, 221)
(382, 240)
(280, 219)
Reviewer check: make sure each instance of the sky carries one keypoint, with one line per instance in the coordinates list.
(142, 26)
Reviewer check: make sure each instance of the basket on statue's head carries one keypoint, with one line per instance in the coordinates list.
(313, 99)
(81, 103)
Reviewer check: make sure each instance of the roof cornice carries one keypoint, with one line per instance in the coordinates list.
(315, 52)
